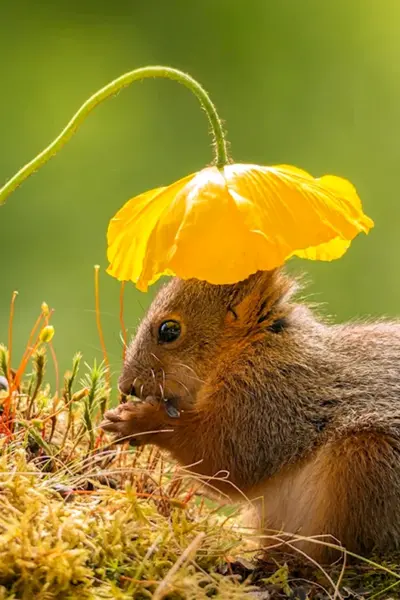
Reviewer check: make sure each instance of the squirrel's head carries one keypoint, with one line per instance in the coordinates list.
(192, 324)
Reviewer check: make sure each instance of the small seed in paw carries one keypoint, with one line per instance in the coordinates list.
(172, 411)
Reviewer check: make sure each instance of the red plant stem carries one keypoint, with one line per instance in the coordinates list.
(11, 382)
(10, 336)
(98, 323)
(25, 359)
(54, 358)
(121, 319)
(56, 372)
(28, 351)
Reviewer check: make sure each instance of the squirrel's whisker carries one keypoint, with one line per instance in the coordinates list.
(156, 357)
(163, 378)
(182, 384)
(195, 376)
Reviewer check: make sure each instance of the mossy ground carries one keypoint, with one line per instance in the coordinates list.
(83, 519)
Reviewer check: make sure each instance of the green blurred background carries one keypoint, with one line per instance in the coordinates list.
(311, 83)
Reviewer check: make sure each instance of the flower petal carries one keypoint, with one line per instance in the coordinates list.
(299, 212)
(189, 239)
(213, 242)
(329, 251)
(337, 247)
(129, 231)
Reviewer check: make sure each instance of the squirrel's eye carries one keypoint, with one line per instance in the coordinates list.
(169, 331)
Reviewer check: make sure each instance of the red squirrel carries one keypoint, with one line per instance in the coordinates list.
(299, 412)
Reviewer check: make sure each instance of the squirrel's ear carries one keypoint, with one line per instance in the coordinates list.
(257, 297)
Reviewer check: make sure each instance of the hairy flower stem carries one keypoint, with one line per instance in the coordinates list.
(220, 149)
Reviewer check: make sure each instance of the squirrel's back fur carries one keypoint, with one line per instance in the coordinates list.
(302, 414)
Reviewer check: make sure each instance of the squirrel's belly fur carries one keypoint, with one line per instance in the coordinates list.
(304, 416)
(346, 493)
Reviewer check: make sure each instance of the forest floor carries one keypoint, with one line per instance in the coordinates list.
(81, 518)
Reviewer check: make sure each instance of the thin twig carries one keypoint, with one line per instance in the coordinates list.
(185, 557)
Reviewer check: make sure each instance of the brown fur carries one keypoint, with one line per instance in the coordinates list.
(303, 414)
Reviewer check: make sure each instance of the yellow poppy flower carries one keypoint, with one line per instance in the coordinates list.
(224, 222)
(221, 225)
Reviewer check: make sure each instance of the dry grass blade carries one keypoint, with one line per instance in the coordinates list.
(188, 554)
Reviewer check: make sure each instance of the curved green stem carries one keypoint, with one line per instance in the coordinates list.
(221, 155)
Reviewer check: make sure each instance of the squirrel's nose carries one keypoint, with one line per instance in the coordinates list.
(134, 391)
(129, 388)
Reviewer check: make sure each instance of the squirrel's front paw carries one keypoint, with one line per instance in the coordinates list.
(133, 421)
